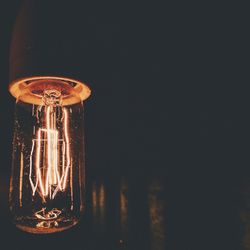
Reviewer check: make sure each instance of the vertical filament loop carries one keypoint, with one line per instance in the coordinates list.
(50, 157)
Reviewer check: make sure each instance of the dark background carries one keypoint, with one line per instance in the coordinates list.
(169, 106)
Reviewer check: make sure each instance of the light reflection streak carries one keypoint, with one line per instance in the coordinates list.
(156, 207)
(98, 204)
(123, 208)
(21, 181)
(102, 202)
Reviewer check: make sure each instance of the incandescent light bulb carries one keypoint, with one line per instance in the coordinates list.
(47, 180)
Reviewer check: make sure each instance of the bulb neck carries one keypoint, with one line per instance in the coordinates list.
(32, 90)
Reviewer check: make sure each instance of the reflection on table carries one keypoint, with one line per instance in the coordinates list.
(121, 213)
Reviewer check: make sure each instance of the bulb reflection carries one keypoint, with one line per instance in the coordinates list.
(98, 204)
(116, 221)
(123, 208)
(156, 207)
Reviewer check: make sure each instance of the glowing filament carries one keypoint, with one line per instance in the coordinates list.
(50, 173)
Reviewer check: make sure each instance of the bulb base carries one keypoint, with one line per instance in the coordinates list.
(30, 89)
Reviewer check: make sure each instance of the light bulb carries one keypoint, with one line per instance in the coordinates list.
(48, 179)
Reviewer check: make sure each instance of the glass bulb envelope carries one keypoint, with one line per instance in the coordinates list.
(48, 180)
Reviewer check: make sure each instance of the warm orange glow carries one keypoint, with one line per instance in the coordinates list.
(49, 177)
(73, 91)
(123, 204)
(47, 181)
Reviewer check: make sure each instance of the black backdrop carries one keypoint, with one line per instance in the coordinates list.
(170, 99)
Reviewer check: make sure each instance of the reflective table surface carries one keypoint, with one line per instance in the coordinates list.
(147, 213)
(121, 213)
